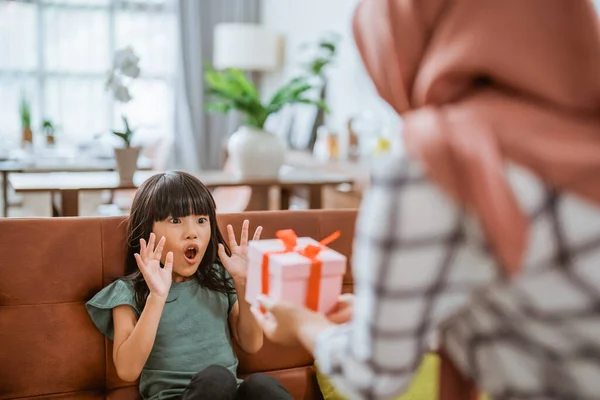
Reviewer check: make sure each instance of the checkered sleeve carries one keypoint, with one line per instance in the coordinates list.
(417, 260)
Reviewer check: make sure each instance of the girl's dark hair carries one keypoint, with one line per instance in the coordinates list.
(173, 194)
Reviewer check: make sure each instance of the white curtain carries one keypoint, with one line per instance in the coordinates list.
(199, 137)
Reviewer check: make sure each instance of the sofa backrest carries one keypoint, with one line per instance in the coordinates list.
(50, 267)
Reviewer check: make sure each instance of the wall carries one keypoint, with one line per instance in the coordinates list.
(350, 91)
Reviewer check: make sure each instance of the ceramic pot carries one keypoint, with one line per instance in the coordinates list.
(126, 160)
(255, 153)
(26, 137)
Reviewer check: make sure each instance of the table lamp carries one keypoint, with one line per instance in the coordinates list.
(252, 152)
(246, 46)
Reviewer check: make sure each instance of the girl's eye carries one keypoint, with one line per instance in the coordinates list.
(202, 220)
(174, 221)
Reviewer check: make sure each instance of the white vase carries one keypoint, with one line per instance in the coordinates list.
(126, 160)
(255, 153)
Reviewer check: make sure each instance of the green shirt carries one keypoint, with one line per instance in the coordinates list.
(193, 333)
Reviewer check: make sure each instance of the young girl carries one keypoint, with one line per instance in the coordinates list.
(173, 315)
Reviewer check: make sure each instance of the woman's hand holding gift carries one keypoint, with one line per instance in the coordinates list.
(343, 310)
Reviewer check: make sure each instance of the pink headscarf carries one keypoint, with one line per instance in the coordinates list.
(540, 106)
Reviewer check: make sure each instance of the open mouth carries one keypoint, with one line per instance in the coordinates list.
(191, 253)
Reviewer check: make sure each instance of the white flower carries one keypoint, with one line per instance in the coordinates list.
(131, 70)
(112, 80)
(125, 58)
(125, 69)
(121, 93)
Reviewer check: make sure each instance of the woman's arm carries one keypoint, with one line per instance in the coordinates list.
(417, 259)
(134, 338)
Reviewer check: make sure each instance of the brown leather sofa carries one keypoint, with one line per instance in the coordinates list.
(50, 349)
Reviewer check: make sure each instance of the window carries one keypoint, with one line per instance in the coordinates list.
(57, 53)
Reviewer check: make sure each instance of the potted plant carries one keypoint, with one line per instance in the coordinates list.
(253, 151)
(25, 113)
(49, 132)
(317, 58)
(125, 70)
(322, 55)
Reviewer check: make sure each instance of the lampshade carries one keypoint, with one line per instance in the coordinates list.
(246, 46)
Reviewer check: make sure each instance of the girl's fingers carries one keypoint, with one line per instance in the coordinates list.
(169, 262)
(151, 243)
(140, 263)
(221, 251)
(142, 247)
(257, 233)
(159, 248)
(231, 236)
(244, 237)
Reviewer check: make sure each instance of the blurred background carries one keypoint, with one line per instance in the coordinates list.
(73, 72)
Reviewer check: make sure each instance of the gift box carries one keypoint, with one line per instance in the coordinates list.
(296, 269)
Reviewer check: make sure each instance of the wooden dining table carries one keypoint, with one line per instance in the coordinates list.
(66, 186)
(42, 167)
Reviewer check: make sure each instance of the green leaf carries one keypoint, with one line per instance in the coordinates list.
(248, 87)
(126, 138)
(126, 122)
(318, 65)
(290, 90)
(289, 94)
(282, 91)
(319, 103)
(230, 89)
(328, 46)
(25, 113)
(230, 83)
(218, 107)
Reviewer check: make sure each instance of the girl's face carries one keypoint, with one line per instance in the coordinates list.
(187, 237)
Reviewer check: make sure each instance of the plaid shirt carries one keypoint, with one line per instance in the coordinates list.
(420, 261)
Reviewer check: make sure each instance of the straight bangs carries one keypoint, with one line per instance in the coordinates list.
(179, 196)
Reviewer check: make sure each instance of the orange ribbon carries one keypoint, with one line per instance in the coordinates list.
(289, 239)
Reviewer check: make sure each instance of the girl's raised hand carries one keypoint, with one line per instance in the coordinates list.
(157, 278)
(237, 263)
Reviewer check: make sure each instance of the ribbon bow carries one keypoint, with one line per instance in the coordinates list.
(290, 240)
